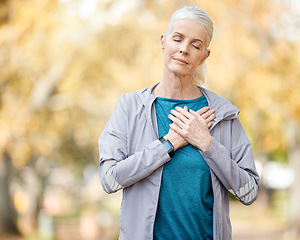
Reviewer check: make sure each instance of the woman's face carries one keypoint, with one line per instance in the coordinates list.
(184, 48)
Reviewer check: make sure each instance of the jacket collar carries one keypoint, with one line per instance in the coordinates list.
(146, 95)
(224, 109)
(147, 98)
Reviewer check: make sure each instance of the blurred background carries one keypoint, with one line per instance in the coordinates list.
(63, 66)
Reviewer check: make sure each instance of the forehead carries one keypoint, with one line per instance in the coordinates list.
(190, 29)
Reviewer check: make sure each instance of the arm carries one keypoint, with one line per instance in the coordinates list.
(118, 168)
(234, 165)
(118, 174)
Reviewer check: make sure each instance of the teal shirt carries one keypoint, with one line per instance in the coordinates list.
(185, 206)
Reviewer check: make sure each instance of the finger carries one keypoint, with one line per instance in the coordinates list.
(196, 114)
(207, 121)
(210, 118)
(208, 114)
(184, 111)
(179, 115)
(176, 120)
(176, 129)
(202, 110)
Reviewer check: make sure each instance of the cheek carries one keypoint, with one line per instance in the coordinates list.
(168, 53)
(170, 48)
(196, 61)
(166, 57)
(199, 60)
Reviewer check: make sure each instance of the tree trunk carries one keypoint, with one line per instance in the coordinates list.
(7, 212)
(293, 229)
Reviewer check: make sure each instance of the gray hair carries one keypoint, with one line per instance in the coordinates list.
(201, 17)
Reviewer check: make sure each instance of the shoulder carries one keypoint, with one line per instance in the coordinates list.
(142, 96)
(128, 99)
(134, 101)
(214, 97)
(218, 102)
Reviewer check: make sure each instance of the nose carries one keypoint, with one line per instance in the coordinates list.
(183, 52)
(184, 49)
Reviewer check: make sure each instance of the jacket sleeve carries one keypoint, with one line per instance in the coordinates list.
(117, 167)
(234, 164)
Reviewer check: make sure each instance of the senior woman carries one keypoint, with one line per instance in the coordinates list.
(176, 149)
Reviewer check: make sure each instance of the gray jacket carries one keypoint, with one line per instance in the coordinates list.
(132, 159)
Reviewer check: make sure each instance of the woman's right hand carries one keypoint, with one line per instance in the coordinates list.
(177, 140)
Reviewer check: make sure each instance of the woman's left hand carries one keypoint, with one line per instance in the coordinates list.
(193, 126)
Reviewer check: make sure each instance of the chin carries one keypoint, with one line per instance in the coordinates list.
(181, 73)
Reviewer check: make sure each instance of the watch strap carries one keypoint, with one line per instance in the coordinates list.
(168, 146)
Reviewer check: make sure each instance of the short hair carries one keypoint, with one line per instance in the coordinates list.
(194, 13)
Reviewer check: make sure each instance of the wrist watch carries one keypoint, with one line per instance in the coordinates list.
(168, 146)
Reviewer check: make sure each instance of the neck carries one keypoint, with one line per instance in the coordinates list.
(177, 88)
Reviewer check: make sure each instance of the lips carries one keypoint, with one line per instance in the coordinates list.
(180, 60)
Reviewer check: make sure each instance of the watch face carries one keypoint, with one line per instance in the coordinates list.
(169, 146)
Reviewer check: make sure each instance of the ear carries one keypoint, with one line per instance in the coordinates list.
(208, 53)
(205, 57)
(162, 42)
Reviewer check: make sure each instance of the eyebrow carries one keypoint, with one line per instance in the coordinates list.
(182, 35)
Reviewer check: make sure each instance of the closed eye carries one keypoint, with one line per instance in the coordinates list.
(196, 46)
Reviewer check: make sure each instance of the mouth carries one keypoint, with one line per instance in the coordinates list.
(180, 60)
